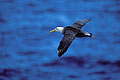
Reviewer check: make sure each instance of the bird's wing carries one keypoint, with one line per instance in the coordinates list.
(80, 23)
(65, 43)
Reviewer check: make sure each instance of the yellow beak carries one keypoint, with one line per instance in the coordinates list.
(54, 30)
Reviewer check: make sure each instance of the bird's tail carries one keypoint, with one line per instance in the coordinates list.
(92, 36)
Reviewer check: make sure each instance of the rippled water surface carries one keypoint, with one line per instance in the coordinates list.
(29, 52)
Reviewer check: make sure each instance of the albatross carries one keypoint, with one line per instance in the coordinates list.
(70, 33)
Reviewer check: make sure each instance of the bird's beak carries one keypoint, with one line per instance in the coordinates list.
(54, 30)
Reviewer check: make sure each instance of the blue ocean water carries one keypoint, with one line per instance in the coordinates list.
(29, 52)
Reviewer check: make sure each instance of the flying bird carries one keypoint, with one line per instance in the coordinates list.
(70, 33)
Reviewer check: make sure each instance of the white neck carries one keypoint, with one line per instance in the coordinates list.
(60, 29)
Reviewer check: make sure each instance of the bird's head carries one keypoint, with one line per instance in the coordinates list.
(57, 29)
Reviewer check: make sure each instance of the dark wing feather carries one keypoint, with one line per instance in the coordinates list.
(80, 23)
(65, 43)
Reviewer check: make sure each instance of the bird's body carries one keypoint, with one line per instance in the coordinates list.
(70, 32)
(77, 32)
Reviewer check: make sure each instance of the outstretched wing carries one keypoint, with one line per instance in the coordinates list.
(80, 23)
(65, 43)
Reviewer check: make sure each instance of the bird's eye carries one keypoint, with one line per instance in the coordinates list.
(56, 28)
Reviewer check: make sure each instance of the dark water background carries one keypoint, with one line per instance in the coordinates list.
(29, 52)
